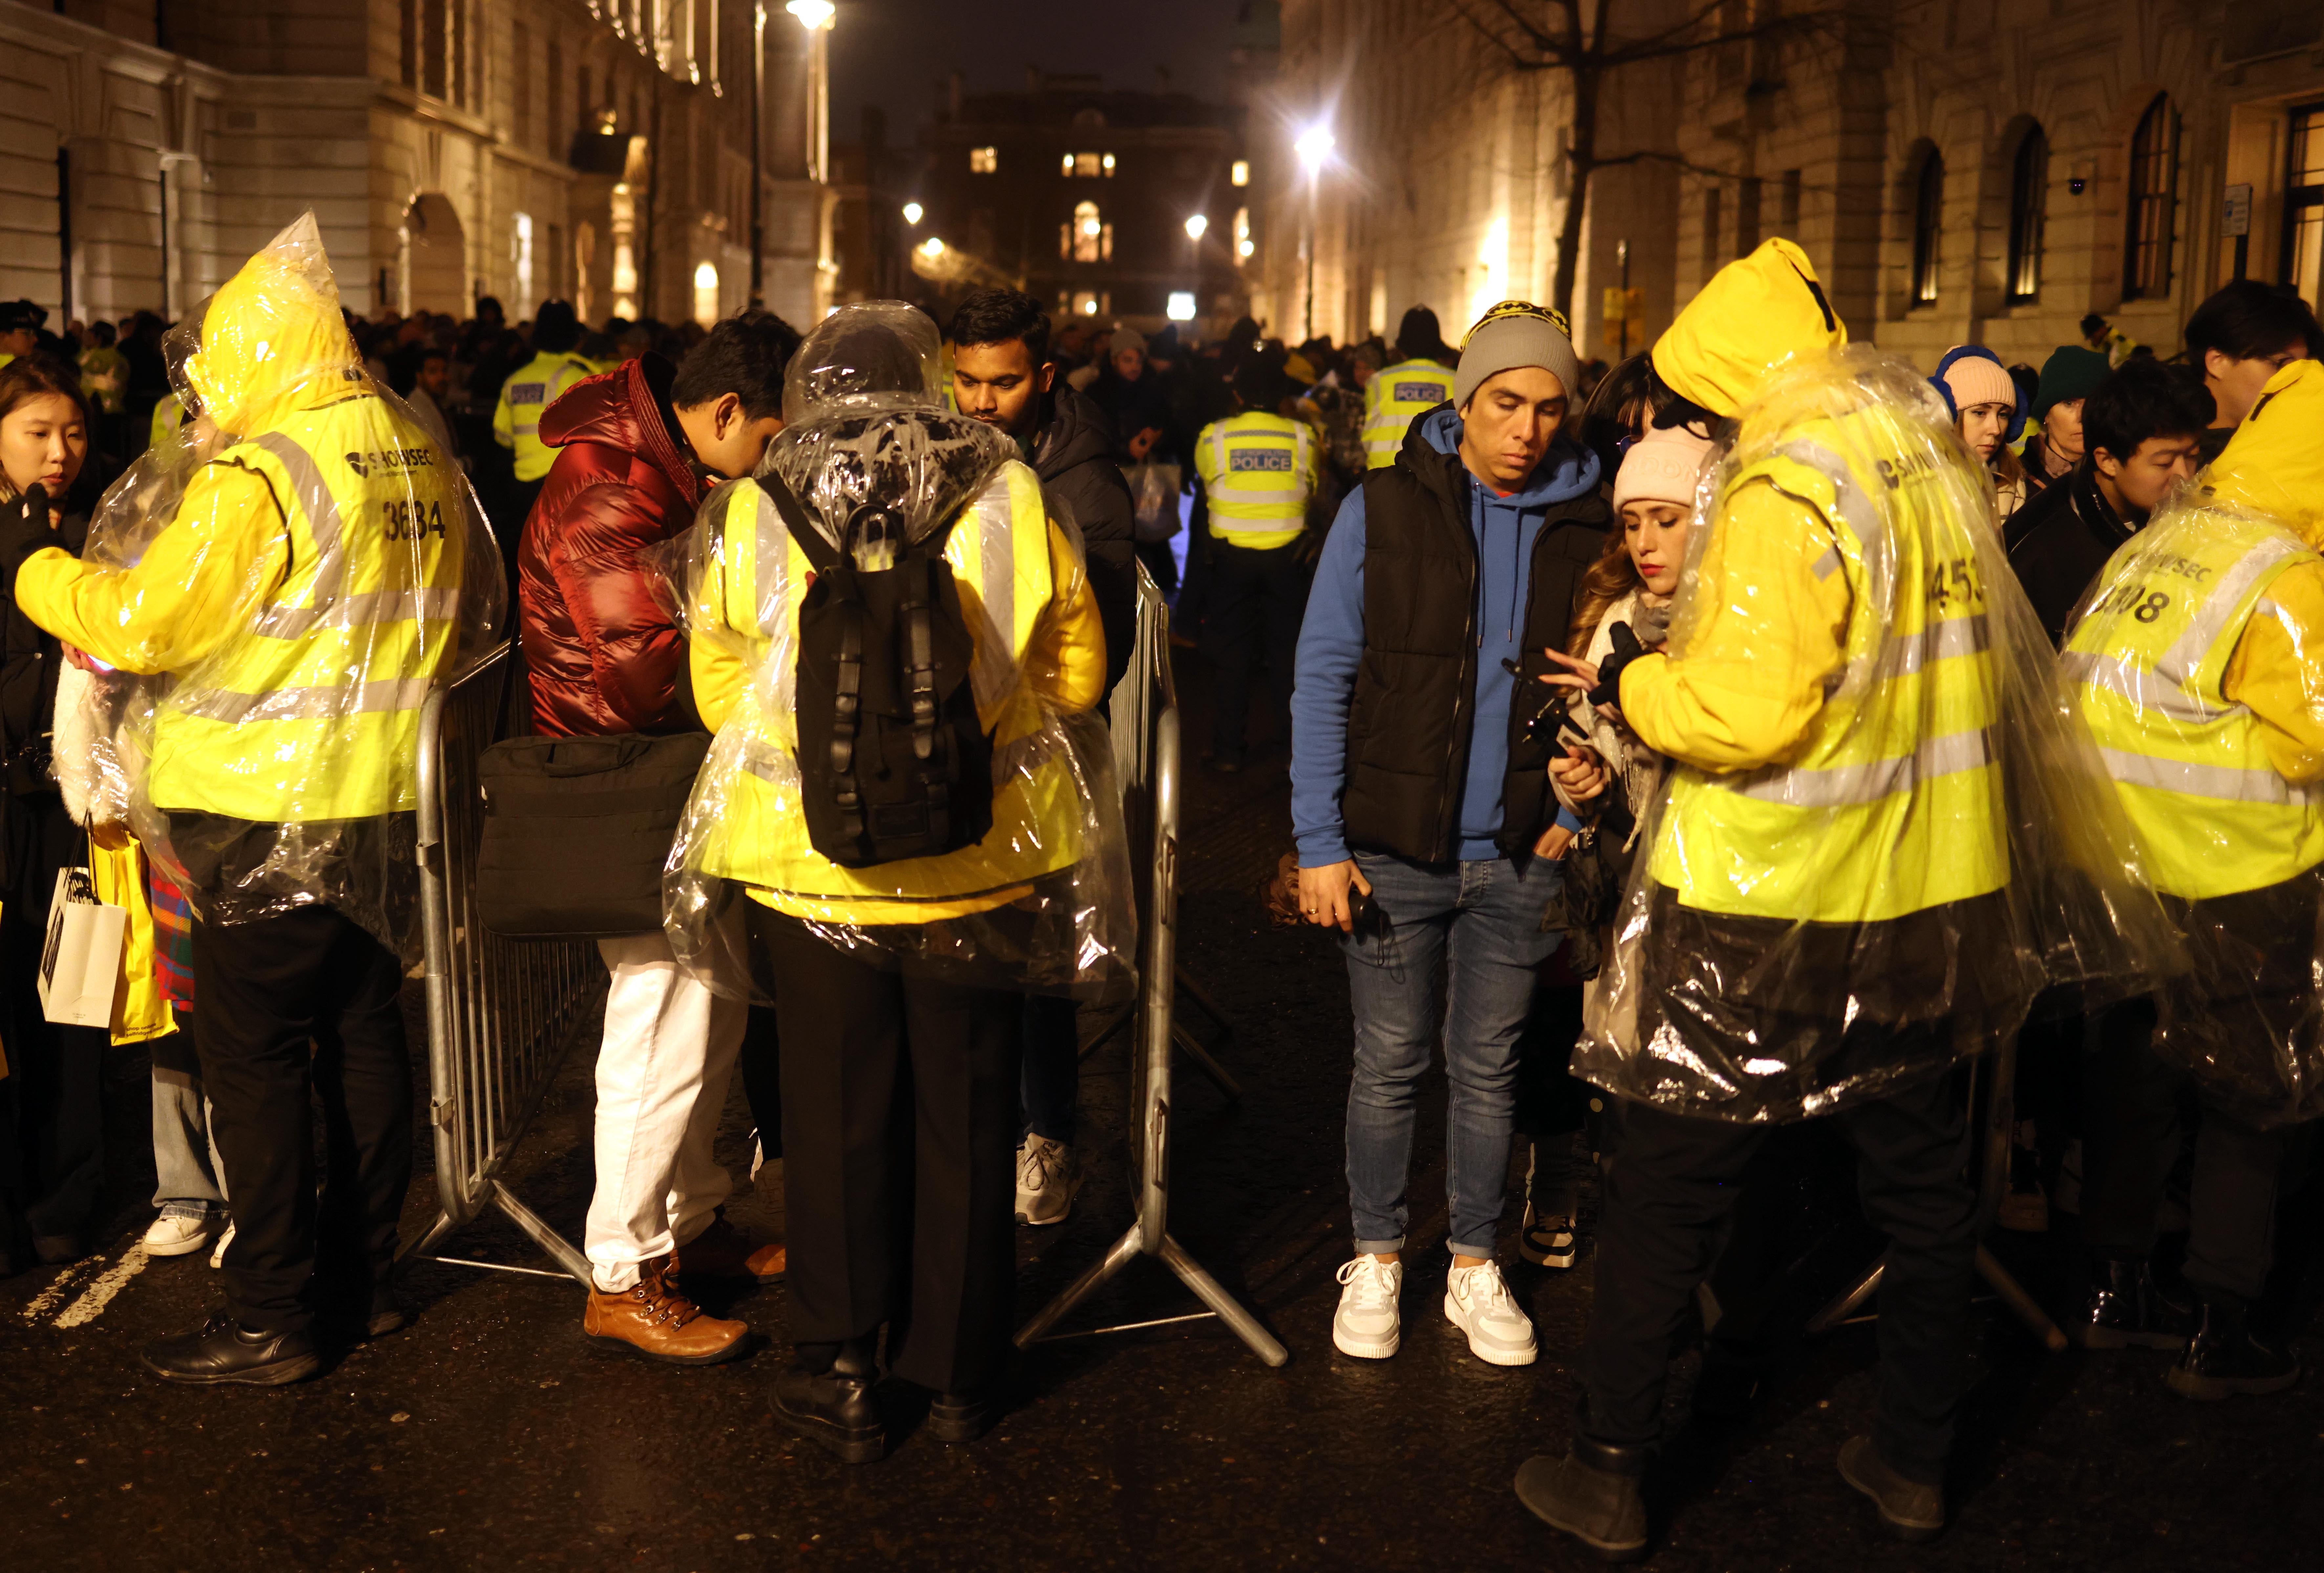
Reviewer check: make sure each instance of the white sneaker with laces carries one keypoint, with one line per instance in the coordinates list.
(1047, 1178)
(1480, 1304)
(217, 1257)
(1368, 1324)
(177, 1235)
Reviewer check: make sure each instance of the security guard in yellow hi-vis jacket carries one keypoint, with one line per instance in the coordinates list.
(1835, 814)
(312, 589)
(2199, 664)
(1259, 470)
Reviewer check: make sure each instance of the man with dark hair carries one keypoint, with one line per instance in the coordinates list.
(2141, 431)
(1002, 376)
(2244, 333)
(525, 397)
(637, 449)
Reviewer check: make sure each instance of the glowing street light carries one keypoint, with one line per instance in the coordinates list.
(1196, 226)
(1315, 148)
(913, 212)
(813, 14)
(932, 248)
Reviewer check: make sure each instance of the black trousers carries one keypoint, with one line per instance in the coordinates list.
(1256, 602)
(56, 1073)
(269, 989)
(2131, 1102)
(1670, 1185)
(899, 1144)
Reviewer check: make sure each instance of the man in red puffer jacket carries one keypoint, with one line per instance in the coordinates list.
(638, 447)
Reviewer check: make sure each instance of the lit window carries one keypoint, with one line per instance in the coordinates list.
(1108, 164)
(1092, 237)
(1244, 246)
(1181, 306)
(1069, 166)
(1086, 303)
(705, 294)
(1928, 227)
(1240, 174)
(1085, 165)
(984, 160)
(2152, 208)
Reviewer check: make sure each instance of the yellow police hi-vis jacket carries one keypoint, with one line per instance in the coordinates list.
(2198, 660)
(529, 390)
(1258, 471)
(1038, 644)
(1887, 800)
(1395, 395)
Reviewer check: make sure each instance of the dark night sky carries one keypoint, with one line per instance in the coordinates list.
(891, 52)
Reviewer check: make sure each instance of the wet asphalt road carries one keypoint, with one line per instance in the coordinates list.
(489, 1436)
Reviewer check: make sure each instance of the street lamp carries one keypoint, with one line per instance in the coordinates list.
(913, 212)
(1314, 147)
(1197, 225)
(932, 248)
(813, 14)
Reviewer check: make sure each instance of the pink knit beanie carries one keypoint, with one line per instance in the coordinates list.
(1662, 467)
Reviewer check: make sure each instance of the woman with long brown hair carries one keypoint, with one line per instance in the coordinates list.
(51, 1129)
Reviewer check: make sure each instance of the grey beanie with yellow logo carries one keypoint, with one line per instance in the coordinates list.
(1517, 332)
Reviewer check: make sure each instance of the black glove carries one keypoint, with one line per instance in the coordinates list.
(23, 530)
(1627, 648)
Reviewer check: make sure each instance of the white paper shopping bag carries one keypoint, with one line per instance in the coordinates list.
(80, 965)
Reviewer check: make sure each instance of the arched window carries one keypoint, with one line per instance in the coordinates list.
(1928, 226)
(2153, 202)
(2029, 190)
(1093, 238)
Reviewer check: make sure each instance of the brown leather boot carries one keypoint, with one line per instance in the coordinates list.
(652, 1320)
(724, 1251)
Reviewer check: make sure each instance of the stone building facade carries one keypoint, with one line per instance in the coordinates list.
(597, 150)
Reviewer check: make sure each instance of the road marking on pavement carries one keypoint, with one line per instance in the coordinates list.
(47, 1299)
(99, 1295)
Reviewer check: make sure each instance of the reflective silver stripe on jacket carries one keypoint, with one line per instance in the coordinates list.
(303, 704)
(2169, 688)
(1902, 655)
(1853, 786)
(330, 608)
(2224, 783)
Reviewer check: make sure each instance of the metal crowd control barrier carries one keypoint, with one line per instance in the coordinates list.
(498, 1010)
(1145, 739)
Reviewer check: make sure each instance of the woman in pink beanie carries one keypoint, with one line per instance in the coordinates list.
(1989, 413)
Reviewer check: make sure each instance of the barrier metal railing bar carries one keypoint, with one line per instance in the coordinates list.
(1151, 761)
(499, 1011)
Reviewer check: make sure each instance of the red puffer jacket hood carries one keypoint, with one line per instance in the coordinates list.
(604, 655)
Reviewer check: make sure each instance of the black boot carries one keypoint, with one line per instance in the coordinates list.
(1914, 1509)
(2223, 1358)
(2127, 1307)
(832, 1406)
(1596, 1494)
(963, 1417)
(222, 1350)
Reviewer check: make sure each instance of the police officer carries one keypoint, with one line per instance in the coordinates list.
(1259, 471)
(312, 588)
(1420, 381)
(525, 397)
(2198, 662)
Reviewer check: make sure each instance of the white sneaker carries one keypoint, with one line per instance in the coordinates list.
(1479, 1303)
(217, 1257)
(1048, 1177)
(177, 1235)
(1368, 1324)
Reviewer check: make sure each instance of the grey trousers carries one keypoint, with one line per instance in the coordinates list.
(185, 1159)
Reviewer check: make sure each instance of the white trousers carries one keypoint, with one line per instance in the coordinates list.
(662, 1070)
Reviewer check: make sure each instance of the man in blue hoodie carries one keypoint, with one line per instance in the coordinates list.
(1421, 792)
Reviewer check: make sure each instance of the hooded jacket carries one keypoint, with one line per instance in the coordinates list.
(604, 654)
(1401, 729)
(1076, 455)
(2059, 542)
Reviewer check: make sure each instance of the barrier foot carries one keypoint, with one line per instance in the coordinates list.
(2013, 1295)
(1207, 1289)
(1194, 1050)
(1112, 1030)
(547, 1239)
(1202, 996)
(1125, 1251)
(438, 1232)
(1841, 1308)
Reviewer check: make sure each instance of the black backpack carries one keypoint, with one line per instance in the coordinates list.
(893, 761)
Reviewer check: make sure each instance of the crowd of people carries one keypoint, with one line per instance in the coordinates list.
(1756, 732)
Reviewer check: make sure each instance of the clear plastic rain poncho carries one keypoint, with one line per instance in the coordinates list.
(2225, 580)
(279, 585)
(1941, 845)
(1043, 900)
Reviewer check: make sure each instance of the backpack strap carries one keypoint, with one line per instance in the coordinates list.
(847, 680)
(821, 556)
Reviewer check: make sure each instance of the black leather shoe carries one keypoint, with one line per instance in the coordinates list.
(963, 1417)
(1596, 1494)
(1913, 1510)
(834, 1407)
(2127, 1307)
(359, 1320)
(2223, 1359)
(221, 1351)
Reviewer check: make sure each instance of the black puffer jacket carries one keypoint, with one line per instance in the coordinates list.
(1078, 459)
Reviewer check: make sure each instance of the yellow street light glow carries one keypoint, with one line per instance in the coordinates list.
(1314, 147)
(1196, 225)
(913, 212)
(932, 248)
(813, 14)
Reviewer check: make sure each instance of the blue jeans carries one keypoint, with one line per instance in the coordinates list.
(1483, 921)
